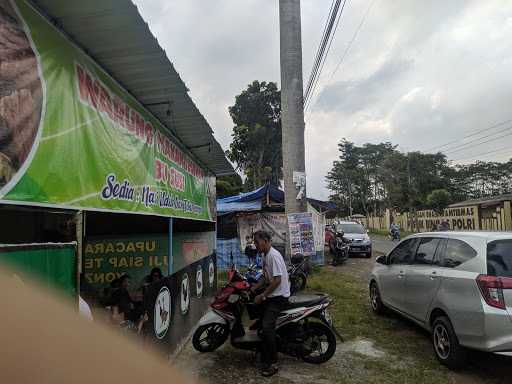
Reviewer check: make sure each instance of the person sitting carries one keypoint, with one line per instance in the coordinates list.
(124, 309)
(154, 276)
(250, 250)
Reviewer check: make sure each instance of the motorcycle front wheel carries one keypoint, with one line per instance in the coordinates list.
(319, 343)
(209, 337)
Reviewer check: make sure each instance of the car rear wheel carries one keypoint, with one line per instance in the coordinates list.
(375, 300)
(446, 344)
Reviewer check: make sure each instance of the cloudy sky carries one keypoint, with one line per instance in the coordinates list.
(419, 73)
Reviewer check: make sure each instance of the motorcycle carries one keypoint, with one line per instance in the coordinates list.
(254, 272)
(394, 235)
(296, 273)
(304, 329)
(341, 249)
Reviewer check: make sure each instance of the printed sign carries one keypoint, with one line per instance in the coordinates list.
(162, 315)
(302, 239)
(185, 294)
(199, 281)
(274, 223)
(462, 218)
(211, 273)
(105, 260)
(72, 137)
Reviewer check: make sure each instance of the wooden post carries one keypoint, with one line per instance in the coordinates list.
(507, 212)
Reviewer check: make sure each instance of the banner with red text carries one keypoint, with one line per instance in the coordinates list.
(72, 137)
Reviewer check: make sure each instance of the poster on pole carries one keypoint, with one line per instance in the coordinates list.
(302, 239)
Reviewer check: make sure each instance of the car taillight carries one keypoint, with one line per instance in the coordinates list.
(492, 288)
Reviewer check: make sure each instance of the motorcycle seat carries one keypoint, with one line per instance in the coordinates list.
(298, 301)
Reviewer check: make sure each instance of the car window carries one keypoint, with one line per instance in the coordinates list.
(350, 228)
(426, 251)
(456, 253)
(403, 253)
(499, 258)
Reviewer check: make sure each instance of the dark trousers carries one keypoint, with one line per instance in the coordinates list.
(272, 307)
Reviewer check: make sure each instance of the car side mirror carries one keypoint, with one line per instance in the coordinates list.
(382, 260)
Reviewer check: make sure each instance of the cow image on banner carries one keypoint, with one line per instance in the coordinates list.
(211, 273)
(199, 281)
(185, 294)
(162, 314)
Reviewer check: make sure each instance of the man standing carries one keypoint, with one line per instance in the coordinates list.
(274, 298)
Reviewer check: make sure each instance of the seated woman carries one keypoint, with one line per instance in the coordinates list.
(124, 308)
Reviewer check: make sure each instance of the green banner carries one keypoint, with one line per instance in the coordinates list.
(71, 137)
(52, 265)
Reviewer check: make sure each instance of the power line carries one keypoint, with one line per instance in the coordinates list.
(326, 41)
(319, 50)
(324, 59)
(455, 149)
(494, 151)
(475, 133)
(347, 49)
(483, 142)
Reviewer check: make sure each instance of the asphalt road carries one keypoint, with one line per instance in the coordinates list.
(382, 244)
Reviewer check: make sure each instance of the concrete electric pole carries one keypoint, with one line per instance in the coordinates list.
(292, 109)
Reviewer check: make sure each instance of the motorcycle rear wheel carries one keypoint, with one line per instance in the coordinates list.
(209, 337)
(319, 336)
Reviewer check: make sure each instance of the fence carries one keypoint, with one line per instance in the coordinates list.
(476, 217)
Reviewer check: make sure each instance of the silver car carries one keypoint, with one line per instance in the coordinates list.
(457, 285)
(357, 236)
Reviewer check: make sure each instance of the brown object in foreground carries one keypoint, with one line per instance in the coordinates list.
(45, 342)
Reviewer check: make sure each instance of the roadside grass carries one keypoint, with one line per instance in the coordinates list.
(409, 355)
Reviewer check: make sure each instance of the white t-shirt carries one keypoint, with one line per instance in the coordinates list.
(84, 309)
(274, 265)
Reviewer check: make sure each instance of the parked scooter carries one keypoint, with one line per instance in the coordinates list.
(297, 272)
(341, 249)
(304, 329)
(254, 272)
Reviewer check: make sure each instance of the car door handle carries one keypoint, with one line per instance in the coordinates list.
(401, 274)
(434, 275)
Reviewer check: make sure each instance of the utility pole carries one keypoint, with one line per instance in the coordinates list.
(292, 108)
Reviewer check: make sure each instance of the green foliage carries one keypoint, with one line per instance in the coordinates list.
(229, 185)
(256, 145)
(439, 199)
(366, 179)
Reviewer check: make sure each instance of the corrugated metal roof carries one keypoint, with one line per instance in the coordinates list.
(484, 201)
(114, 34)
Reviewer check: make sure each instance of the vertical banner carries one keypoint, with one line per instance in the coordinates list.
(302, 239)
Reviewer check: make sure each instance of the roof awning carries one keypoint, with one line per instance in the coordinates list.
(114, 34)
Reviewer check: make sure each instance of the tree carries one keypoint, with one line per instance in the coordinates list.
(256, 145)
(229, 185)
(439, 199)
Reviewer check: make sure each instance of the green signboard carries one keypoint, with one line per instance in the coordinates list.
(52, 265)
(72, 137)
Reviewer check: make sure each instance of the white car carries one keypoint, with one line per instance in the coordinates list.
(457, 285)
